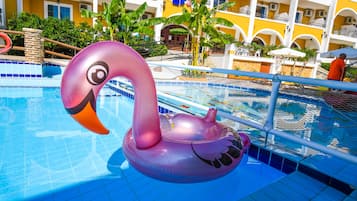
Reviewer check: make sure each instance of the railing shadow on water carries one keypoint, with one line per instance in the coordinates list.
(276, 80)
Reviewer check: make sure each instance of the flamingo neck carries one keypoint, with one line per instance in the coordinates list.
(128, 63)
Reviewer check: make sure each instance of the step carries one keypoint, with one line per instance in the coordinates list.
(328, 166)
(297, 186)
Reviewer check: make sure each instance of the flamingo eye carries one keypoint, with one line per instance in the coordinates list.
(97, 73)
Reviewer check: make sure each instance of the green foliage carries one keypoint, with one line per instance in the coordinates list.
(158, 50)
(148, 48)
(24, 20)
(123, 24)
(351, 73)
(109, 16)
(63, 31)
(309, 53)
(192, 73)
(178, 31)
(325, 66)
(202, 25)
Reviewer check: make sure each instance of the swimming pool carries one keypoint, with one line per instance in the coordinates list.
(304, 116)
(45, 155)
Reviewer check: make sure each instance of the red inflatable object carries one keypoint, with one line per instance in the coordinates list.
(8, 43)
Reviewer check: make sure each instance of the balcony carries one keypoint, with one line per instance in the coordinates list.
(311, 13)
(344, 31)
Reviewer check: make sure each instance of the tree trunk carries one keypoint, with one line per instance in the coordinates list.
(195, 50)
(111, 32)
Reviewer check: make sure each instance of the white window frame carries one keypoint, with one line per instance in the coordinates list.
(2, 16)
(59, 5)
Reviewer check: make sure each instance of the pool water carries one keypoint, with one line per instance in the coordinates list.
(307, 117)
(46, 155)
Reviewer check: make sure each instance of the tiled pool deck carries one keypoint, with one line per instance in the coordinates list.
(317, 177)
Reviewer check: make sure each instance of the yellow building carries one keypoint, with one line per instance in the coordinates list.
(319, 25)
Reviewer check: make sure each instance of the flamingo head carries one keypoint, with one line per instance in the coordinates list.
(86, 74)
(81, 82)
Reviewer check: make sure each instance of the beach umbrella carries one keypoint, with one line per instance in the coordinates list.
(351, 53)
(287, 53)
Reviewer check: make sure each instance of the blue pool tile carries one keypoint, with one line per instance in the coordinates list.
(329, 194)
(89, 186)
(354, 194)
(280, 191)
(122, 193)
(339, 185)
(289, 166)
(264, 155)
(96, 195)
(297, 183)
(304, 180)
(314, 173)
(350, 199)
(65, 194)
(276, 161)
(253, 151)
(248, 198)
(348, 174)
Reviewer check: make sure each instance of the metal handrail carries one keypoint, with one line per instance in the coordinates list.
(276, 81)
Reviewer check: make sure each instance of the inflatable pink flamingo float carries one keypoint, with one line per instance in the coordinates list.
(183, 148)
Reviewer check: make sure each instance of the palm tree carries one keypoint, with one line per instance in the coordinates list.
(201, 23)
(109, 15)
(133, 22)
(123, 23)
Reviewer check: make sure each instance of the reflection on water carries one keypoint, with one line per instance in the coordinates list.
(309, 118)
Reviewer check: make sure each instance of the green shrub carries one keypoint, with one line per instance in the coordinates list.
(158, 50)
(63, 31)
(192, 73)
(148, 48)
(24, 20)
(325, 66)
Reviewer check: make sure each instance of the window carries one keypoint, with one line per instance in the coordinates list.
(218, 2)
(308, 12)
(321, 13)
(178, 2)
(273, 6)
(58, 10)
(85, 6)
(261, 11)
(298, 16)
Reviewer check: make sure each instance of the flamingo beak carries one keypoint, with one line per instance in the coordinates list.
(85, 114)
